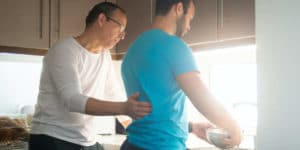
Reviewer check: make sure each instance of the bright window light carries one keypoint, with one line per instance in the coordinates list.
(230, 74)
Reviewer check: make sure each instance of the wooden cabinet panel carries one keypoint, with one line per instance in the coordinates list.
(204, 24)
(139, 17)
(237, 19)
(222, 23)
(24, 23)
(40, 23)
(69, 17)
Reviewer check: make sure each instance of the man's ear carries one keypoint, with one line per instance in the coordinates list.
(179, 8)
(101, 19)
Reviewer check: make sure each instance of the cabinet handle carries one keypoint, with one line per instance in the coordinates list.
(41, 18)
(151, 11)
(222, 13)
(58, 17)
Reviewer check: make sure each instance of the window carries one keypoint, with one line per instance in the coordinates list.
(230, 74)
(20, 76)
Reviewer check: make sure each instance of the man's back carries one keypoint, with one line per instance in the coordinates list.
(150, 67)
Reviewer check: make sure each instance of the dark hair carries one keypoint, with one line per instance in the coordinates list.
(164, 6)
(107, 8)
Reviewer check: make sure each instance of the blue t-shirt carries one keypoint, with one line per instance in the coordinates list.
(150, 67)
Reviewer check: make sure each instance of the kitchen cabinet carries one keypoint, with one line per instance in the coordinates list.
(139, 18)
(216, 24)
(24, 23)
(68, 17)
(222, 23)
(237, 19)
(39, 24)
(204, 25)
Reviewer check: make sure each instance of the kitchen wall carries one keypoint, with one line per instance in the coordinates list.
(19, 78)
(278, 51)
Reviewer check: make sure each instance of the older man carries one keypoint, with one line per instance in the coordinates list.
(76, 83)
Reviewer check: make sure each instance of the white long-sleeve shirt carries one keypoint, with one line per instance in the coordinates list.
(70, 75)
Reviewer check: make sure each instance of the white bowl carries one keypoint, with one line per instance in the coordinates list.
(215, 136)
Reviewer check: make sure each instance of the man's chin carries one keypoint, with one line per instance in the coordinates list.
(111, 46)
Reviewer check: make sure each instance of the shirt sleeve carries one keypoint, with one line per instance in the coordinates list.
(62, 64)
(180, 57)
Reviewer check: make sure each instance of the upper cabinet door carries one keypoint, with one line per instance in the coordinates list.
(24, 23)
(237, 19)
(68, 17)
(139, 17)
(204, 24)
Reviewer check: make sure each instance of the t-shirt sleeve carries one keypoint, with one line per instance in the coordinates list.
(62, 64)
(180, 57)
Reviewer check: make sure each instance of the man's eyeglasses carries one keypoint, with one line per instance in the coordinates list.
(122, 28)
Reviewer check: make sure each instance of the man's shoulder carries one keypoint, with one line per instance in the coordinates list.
(173, 46)
(177, 42)
(64, 45)
(67, 42)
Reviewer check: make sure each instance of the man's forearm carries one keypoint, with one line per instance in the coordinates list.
(102, 107)
(204, 101)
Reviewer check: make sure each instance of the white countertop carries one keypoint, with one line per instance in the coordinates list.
(113, 142)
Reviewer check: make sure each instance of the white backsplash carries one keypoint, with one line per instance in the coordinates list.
(19, 78)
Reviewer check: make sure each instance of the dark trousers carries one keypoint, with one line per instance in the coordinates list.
(128, 146)
(45, 142)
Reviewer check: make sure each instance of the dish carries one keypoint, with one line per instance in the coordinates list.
(216, 135)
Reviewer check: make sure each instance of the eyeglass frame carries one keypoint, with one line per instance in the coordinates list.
(122, 28)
